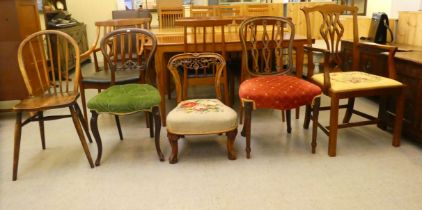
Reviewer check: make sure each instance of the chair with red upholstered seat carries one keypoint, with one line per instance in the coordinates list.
(269, 63)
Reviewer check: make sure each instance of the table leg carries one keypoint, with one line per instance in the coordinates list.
(161, 84)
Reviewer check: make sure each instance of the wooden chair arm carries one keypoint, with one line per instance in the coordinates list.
(390, 51)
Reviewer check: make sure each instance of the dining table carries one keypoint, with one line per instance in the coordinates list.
(171, 40)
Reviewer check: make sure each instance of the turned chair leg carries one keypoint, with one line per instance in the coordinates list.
(119, 128)
(315, 115)
(288, 121)
(247, 127)
(94, 130)
(231, 137)
(42, 130)
(241, 113)
(81, 134)
(149, 117)
(174, 147)
(83, 122)
(18, 132)
(349, 110)
(157, 119)
(307, 119)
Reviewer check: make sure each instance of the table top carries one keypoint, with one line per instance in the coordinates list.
(175, 36)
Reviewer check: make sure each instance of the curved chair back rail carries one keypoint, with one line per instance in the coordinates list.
(34, 59)
(264, 49)
(129, 49)
(198, 65)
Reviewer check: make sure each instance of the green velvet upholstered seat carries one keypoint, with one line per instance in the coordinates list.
(124, 99)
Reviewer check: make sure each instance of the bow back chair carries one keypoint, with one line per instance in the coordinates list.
(338, 84)
(205, 35)
(168, 15)
(101, 78)
(267, 57)
(123, 99)
(51, 89)
(199, 116)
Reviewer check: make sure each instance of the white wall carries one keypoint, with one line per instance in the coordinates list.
(392, 7)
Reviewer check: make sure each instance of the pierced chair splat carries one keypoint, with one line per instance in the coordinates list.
(338, 84)
(124, 99)
(269, 65)
(199, 116)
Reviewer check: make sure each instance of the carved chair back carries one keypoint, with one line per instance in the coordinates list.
(197, 65)
(331, 31)
(37, 60)
(266, 48)
(129, 49)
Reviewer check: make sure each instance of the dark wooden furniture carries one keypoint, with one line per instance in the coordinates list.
(77, 31)
(123, 57)
(18, 19)
(101, 78)
(409, 71)
(269, 62)
(199, 116)
(339, 84)
(61, 94)
(204, 40)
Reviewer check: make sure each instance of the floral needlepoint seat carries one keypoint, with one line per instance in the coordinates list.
(201, 116)
(355, 80)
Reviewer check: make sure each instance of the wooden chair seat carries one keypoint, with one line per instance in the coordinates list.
(48, 101)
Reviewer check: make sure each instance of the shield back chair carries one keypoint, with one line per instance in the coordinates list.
(124, 99)
(168, 15)
(267, 57)
(101, 78)
(205, 35)
(199, 116)
(338, 84)
(51, 88)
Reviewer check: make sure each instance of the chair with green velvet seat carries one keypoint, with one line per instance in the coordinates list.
(128, 98)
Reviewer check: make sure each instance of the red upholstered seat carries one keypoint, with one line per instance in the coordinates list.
(278, 92)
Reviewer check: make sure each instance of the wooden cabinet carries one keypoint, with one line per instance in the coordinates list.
(18, 19)
(77, 32)
(409, 72)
